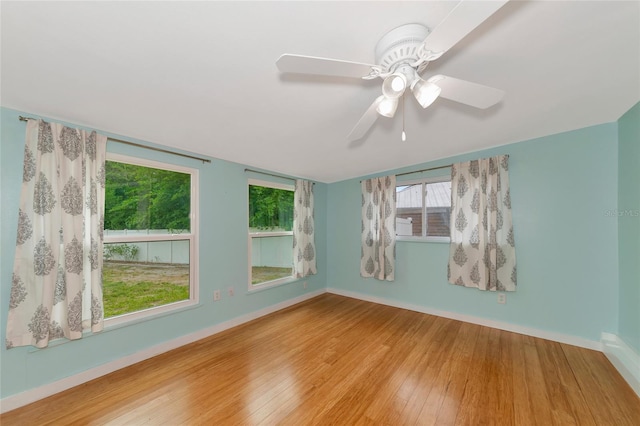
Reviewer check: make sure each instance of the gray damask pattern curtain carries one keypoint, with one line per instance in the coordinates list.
(56, 287)
(378, 238)
(482, 252)
(304, 247)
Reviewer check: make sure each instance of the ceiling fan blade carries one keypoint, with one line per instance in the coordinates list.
(463, 19)
(322, 66)
(466, 92)
(365, 122)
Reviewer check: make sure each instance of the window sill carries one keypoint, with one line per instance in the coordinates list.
(110, 324)
(257, 288)
(132, 318)
(266, 234)
(441, 240)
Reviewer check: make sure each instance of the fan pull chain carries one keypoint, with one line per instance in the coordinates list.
(404, 135)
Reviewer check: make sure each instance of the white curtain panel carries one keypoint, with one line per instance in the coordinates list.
(56, 287)
(378, 237)
(482, 252)
(304, 247)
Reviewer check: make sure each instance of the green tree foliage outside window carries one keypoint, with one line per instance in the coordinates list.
(270, 208)
(138, 197)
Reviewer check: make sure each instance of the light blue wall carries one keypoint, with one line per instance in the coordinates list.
(223, 263)
(561, 188)
(629, 226)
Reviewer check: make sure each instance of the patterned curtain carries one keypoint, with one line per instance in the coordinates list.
(56, 288)
(482, 252)
(304, 247)
(378, 253)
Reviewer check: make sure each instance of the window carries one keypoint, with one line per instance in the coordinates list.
(150, 248)
(270, 233)
(423, 208)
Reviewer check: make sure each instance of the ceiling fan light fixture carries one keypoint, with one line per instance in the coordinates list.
(394, 85)
(425, 92)
(386, 106)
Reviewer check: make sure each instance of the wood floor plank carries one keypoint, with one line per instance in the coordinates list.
(471, 411)
(391, 397)
(452, 351)
(568, 406)
(343, 352)
(488, 383)
(336, 360)
(418, 385)
(348, 371)
(361, 395)
(609, 398)
(531, 400)
(457, 371)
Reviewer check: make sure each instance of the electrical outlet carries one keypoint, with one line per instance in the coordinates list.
(231, 291)
(216, 295)
(304, 284)
(502, 298)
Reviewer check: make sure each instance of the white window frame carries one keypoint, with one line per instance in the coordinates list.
(252, 235)
(190, 236)
(423, 238)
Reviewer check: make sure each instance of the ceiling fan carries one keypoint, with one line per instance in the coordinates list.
(403, 54)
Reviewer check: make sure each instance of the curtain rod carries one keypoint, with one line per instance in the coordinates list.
(204, 160)
(425, 170)
(422, 170)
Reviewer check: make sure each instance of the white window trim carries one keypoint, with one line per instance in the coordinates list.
(270, 234)
(277, 185)
(191, 236)
(252, 288)
(424, 182)
(430, 239)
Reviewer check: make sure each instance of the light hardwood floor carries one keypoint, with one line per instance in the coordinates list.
(335, 360)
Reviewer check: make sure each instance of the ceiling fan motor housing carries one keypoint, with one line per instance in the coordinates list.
(400, 45)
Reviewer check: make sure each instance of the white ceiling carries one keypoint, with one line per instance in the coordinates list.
(202, 77)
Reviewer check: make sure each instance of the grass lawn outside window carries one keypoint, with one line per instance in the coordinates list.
(135, 286)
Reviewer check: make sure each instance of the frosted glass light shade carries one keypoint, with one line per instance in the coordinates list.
(394, 85)
(386, 106)
(425, 92)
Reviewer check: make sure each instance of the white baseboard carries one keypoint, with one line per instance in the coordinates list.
(624, 359)
(528, 331)
(15, 401)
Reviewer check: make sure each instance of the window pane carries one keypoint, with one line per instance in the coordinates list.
(144, 275)
(270, 209)
(409, 210)
(271, 258)
(438, 209)
(144, 198)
